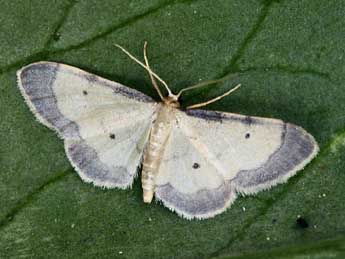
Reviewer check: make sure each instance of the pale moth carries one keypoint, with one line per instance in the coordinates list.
(195, 161)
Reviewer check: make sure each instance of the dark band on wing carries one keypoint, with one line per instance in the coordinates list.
(123, 90)
(222, 116)
(199, 204)
(37, 81)
(206, 115)
(118, 89)
(297, 147)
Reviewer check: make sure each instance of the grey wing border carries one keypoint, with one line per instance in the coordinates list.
(203, 204)
(28, 93)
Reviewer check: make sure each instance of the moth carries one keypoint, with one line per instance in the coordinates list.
(195, 161)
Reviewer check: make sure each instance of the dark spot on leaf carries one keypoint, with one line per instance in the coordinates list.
(247, 136)
(112, 135)
(56, 36)
(302, 223)
(274, 220)
(84, 92)
(196, 166)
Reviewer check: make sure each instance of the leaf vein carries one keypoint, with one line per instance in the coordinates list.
(286, 69)
(121, 25)
(249, 37)
(31, 197)
(60, 22)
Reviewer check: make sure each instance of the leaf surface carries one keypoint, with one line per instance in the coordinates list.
(288, 56)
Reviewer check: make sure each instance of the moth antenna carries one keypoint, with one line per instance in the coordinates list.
(144, 66)
(202, 84)
(209, 82)
(214, 99)
(153, 80)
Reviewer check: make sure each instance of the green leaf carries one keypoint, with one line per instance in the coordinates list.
(289, 57)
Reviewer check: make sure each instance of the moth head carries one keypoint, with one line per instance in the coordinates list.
(172, 100)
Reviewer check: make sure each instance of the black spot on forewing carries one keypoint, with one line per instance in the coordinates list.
(196, 166)
(85, 92)
(112, 135)
(247, 136)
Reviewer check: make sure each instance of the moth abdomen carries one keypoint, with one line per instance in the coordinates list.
(148, 185)
(150, 169)
(153, 154)
(151, 164)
